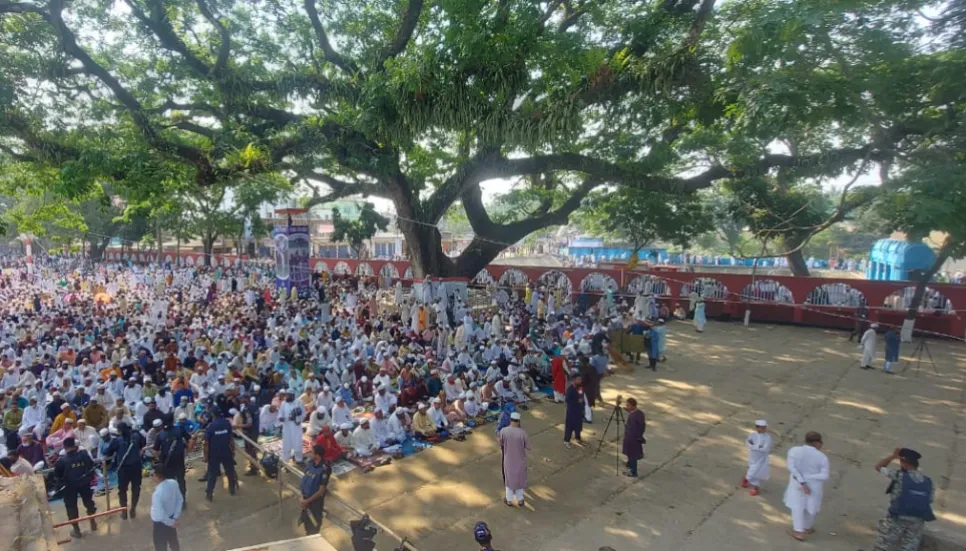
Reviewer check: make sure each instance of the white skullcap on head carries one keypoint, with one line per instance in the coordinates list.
(345, 426)
(233, 411)
(325, 387)
(345, 385)
(320, 409)
(104, 432)
(156, 423)
(420, 405)
(515, 416)
(182, 416)
(365, 379)
(761, 423)
(436, 400)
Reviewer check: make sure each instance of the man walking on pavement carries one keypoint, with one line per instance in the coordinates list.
(76, 469)
(220, 454)
(126, 451)
(314, 485)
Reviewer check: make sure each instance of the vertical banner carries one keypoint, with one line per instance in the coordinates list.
(292, 251)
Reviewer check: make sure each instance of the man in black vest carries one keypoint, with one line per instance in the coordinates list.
(910, 507)
(76, 469)
(170, 449)
(126, 453)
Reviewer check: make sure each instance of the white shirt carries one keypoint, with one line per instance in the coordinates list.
(267, 418)
(809, 466)
(166, 503)
(363, 440)
(397, 428)
(341, 415)
(385, 401)
(438, 417)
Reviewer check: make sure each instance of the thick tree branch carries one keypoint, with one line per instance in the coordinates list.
(328, 51)
(405, 32)
(196, 156)
(700, 20)
(20, 7)
(224, 49)
(160, 25)
(338, 189)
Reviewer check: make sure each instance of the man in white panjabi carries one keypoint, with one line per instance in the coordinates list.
(808, 469)
(759, 446)
(868, 343)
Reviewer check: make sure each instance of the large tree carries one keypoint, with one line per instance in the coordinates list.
(421, 101)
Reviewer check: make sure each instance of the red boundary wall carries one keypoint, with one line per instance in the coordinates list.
(875, 292)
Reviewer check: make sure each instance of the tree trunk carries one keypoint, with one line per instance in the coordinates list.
(796, 261)
(208, 244)
(424, 244)
(923, 281)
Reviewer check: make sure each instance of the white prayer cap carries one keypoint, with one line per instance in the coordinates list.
(93, 399)
(182, 416)
(133, 379)
(345, 385)
(874, 326)
(326, 387)
(761, 423)
(515, 416)
(381, 387)
(79, 421)
(320, 409)
(104, 432)
(68, 420)
(62, 406)
(400, 410)
(345, 426)
(365, 379)
(184, 398)
(364, 421)
(437, 401)
(156, 423)
(148, 399)
(147, 379)
(256, 388)
(340, 398)
(233, 411)
(420, 405)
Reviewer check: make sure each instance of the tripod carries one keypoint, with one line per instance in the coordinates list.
(921, 346)
(618, 414)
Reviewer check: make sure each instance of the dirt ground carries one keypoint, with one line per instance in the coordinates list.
(699, 406)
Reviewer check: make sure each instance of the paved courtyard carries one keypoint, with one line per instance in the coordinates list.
(699, 406)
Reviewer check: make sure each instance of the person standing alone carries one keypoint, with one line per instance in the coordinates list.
(910, 506)
(166, 507)
(634, 440)
(76, 469)
(515, 444)
(314, 486)
(574, 418)
(759, 446)
(808, 470)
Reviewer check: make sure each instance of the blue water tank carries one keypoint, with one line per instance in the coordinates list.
(892, 260)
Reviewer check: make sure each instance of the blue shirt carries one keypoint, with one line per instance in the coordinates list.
(219, 435)
(166, 503)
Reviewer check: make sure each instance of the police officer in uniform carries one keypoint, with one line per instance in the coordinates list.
(76, 469)
(170, 448)
(314, 486)
(220, 453)
(910, 506)
(126, 451)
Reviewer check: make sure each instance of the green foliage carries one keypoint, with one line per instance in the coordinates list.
(420, 102)
(356, 232)
(641, 218)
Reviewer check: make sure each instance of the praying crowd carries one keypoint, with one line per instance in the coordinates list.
(357, 364)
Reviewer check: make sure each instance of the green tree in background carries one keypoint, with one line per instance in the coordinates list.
(640, 218)
(356, 232)
(420, 102)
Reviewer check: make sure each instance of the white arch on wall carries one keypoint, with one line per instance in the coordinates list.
(389, 271)
(598, 282)
(767, 290)
(189, 261)
(341, 268)
(932, 300)
(706, 287)
(482, 278)
(836, 294)
(321, 267)
(364, 269)
(409, 273)
(649, 285)
(514, 278)
(168, 258)
(555, 279)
